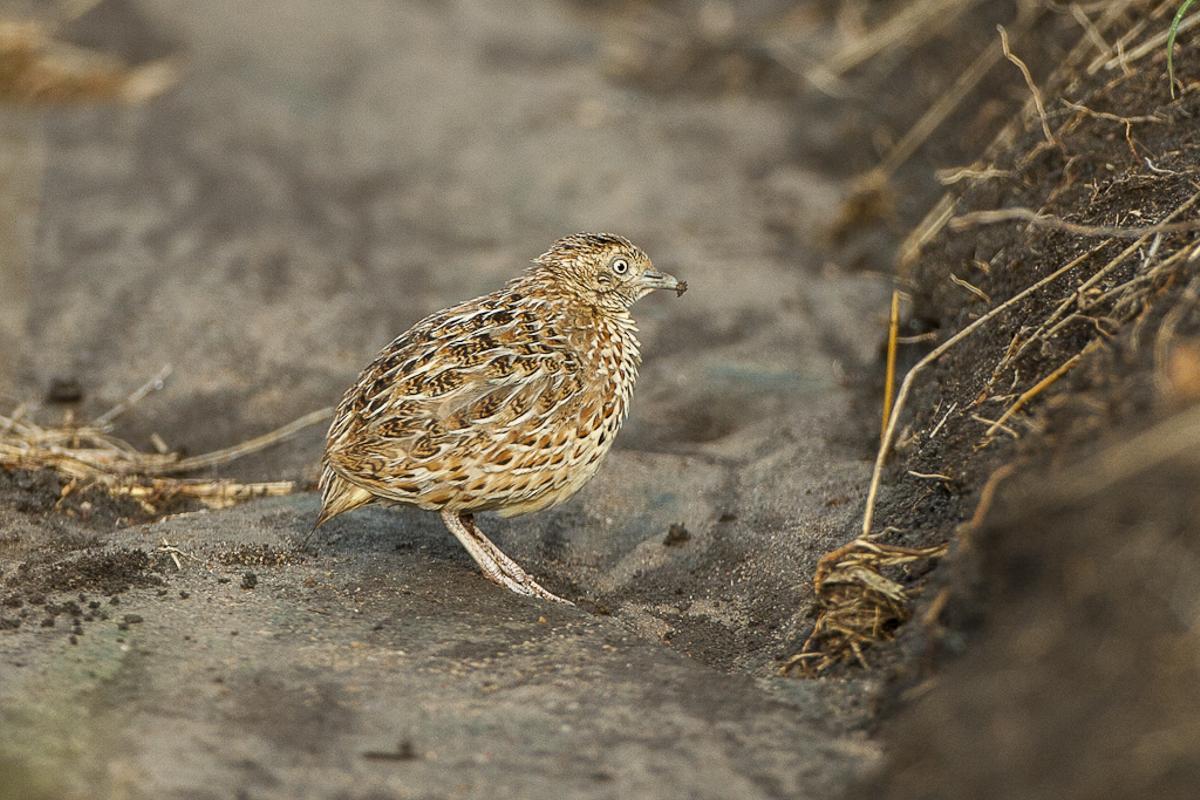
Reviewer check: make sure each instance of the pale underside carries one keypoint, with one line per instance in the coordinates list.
(505, 403)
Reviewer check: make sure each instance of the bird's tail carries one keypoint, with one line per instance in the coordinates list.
(338, 496)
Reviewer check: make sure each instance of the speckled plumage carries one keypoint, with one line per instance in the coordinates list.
(504, 403)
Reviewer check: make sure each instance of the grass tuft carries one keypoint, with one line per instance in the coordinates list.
(1174, 31)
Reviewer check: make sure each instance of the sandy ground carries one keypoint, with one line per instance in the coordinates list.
(317, 181)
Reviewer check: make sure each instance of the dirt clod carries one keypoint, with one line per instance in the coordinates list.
(677, 534)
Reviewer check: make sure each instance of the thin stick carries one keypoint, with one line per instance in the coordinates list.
(934, 355)
(1033, 392)
(1038, 220)
(930, 226)
(152, 385)
(228, 454)
(1033, 89)
(948, 177)
(1085, 22)
(986, 497)
(978, 293)
(935, 115)
(889, 380)
(912, 23)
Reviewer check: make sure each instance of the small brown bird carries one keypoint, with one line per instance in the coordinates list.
(503, 403)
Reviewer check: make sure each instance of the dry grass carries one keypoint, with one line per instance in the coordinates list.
(858, 604)
(89, 457)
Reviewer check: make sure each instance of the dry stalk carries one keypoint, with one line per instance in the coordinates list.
(889, 380)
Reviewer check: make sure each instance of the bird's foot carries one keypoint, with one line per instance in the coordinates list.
(496, 566)
(523, 583)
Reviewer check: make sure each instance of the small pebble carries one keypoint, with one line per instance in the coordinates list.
(132, 619)
(64, 390)
(249, 580)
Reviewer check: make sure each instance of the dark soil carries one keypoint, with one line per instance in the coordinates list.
(1053, 666)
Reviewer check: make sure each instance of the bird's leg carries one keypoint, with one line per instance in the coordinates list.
(496, 566)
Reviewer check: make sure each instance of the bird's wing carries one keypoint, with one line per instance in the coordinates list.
(454, 391)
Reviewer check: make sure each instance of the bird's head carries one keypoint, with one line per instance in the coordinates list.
(603, 270)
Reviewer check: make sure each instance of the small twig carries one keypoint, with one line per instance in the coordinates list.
(986, 497)
(1089, 28)
(173, 552)
(1080, 107)
(930, 226)
(912, 22)
(1033, 89)
(153, 385)
(994, 216)
(1034, 391)
(228, 454)
(948, 177)
(1114, 11)
(994, 423)
(942, 422)
(930, 336)
(935, 115)
(933, 476)
(970, 287)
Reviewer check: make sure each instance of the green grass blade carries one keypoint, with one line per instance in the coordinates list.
(1171, 42)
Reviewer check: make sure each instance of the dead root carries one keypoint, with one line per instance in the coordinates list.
(857, 604)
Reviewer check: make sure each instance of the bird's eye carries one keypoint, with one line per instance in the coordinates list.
(620, 266)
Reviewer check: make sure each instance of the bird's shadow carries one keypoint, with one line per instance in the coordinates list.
(380, 530)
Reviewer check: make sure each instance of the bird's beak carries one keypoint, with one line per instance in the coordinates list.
(652, 279)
